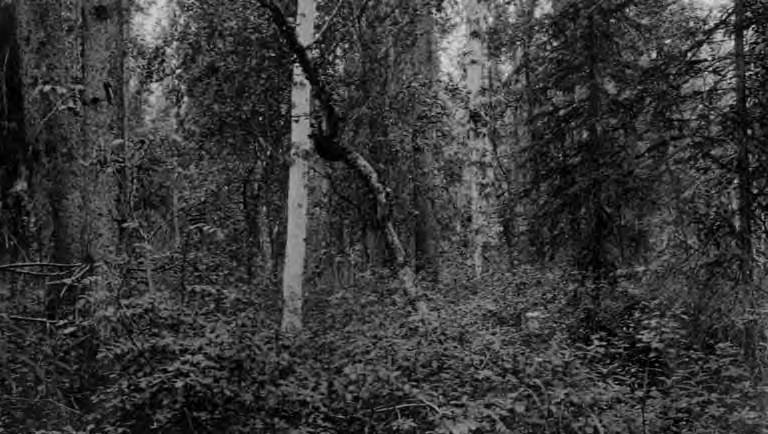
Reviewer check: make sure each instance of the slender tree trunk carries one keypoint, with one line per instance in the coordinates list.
(597, 262)
(13, 150)
(426, 231)
(744, 234)
(742, 143)
(295, 247)
(476, 70)
(424, 62)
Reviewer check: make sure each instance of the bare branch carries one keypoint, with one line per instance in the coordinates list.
(32, 319)
(38, 264)
(327, 22)
(36, 273)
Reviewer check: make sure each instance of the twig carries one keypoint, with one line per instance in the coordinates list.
(38, 264)
(401, 406)
(189, 421)
(327, 22)
(46, 118)
(423, 403)
(77, 275)
(34, 273)
(32, 319)
(598, 425)
(58, 404)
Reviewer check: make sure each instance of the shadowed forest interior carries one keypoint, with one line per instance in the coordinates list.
(384, 216)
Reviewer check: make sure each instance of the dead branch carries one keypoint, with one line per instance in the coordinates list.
(328, 22)
(38, 264)
(422, 403)
(35, 273)
(33, 319)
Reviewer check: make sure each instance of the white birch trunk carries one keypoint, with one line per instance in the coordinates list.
(476, 78)
(295, 249)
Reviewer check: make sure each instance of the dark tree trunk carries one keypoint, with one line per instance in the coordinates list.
(742, 143)
(13, 149)
(74, 118)
(424, 63)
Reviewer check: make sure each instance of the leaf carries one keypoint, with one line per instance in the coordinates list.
(519, 407)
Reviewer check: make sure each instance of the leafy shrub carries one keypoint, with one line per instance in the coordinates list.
(499, 360)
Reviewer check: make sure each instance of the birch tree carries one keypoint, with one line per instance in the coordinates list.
(295, 249)
(328, 147)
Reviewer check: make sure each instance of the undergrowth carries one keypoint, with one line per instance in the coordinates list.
(509, 355)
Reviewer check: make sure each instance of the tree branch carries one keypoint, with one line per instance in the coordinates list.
(328, 22)
(37, 264)
(331, 146)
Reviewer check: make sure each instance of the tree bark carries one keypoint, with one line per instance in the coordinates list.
(103, 123)
(745, 212)
(73, 79)
(424, 62)
(742, 143)
(13, 152)
(295, 247)
(476, 80)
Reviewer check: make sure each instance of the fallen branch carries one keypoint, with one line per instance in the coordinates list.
(51, 401)
(70, 280)
(33, 319)
(37, 264)
(422, 403)
(35, 273)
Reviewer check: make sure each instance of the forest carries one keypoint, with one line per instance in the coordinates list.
(384, 216)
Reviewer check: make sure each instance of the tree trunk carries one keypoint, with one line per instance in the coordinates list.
(742, 143)
(331, 149)
(477, 61)
(295, 247)
(51, 47)
(13, 150)
(424, 62)
(103, 124)
(73, 79)
(744, 231)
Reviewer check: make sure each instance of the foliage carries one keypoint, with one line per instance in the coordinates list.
(612, 133)
(595, 110)
(503, 360)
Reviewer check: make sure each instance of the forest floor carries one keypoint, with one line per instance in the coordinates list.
(518, 352)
